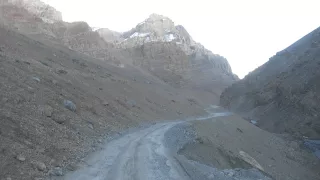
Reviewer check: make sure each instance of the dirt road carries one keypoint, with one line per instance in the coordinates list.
(150, 153)
(139, 155)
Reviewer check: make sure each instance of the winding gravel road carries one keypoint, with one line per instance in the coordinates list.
(140, 155)
(145, 155)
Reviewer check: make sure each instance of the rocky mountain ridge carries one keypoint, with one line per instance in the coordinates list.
(283, 94)
(156, 45)
(158, 28)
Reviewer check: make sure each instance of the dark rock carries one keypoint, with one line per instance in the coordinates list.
(76, 61)
(47, 110)
(313, 145)
(61, 71)
(57, 171)
(59, 118)
(71, 167)
(105, 103)
(238, 129)
(132, 103)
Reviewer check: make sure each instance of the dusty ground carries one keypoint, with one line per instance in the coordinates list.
(231, 142)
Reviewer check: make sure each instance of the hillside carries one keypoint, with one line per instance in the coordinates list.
(156, 45)
(64, 88)
(283, 94)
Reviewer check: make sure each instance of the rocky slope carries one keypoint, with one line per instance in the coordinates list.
(42, 132)
(64, 88)
(283, 94)
(157, 46)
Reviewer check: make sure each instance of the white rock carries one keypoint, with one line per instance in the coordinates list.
(40, 166)
(36, 79)
(21, 158)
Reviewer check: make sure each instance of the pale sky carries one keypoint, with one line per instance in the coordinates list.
(246, 32)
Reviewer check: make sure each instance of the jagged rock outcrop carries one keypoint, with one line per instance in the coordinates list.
(165, 49)
(76, 28)
(158, 28)
(39, 9)
(283, 95)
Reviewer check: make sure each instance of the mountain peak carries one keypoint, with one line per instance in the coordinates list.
(156, 24)
(157, 17)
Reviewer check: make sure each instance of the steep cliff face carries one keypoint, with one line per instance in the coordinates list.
(283, 95)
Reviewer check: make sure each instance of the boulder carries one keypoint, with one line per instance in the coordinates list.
(70, 105)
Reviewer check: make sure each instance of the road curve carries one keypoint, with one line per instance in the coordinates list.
(142, 155)
(137, 156)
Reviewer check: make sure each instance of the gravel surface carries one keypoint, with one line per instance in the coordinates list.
(184, 133)
(151, 153)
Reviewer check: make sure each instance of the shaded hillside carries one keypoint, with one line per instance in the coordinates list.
(283, 95)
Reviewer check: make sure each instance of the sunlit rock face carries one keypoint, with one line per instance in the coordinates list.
(40, 9)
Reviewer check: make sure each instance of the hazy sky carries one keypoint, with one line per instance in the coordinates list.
(246, 32)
